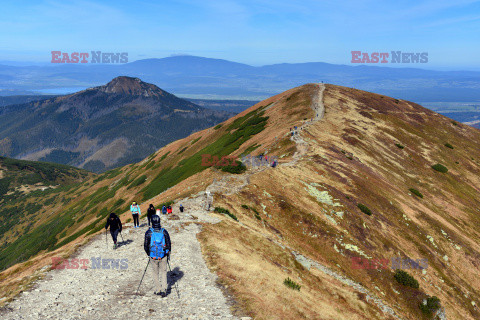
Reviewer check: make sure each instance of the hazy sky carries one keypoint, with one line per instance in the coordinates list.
(255, 32)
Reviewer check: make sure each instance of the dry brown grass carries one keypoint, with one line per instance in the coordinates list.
(247, 256)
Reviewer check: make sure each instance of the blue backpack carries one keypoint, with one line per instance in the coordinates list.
(158, 248)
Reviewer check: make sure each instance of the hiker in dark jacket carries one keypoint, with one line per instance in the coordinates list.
(181, 208)
(115, 227)
(164, 210)
(150, 213)
(159, 265)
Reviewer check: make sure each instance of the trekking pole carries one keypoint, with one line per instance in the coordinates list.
(106, 240)
(142, 277)
(122, 238)
(176, 284)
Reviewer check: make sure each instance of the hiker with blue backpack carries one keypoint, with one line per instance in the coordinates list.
(157, 245)
(135, 209)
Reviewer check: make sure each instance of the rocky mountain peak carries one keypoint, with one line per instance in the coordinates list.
(131, 86)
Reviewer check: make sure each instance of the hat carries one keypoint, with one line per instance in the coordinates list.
(134, 202)
(156, 222)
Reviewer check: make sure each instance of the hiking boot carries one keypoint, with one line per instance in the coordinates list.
(114, 246)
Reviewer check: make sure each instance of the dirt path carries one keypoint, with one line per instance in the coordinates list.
(110, 293)
(319, 109)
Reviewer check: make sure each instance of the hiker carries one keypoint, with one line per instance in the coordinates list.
(181, 208)
(135, 209)
(157, 245)
(150, 213)
(115, 227)
(169, 209)
(164, 209)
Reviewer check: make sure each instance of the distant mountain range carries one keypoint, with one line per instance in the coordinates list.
(102, 127)
(197, 77)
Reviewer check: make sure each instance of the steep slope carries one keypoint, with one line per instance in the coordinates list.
(103, 127)
(303, 220)
(25, 187)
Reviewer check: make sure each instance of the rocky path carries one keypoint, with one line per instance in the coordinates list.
(319, 109)
(108, 291)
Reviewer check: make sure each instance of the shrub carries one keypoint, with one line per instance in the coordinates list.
(364, 209)
(218, 126)
(416, 192)
(440, 168)
(291, 284)
(245, 206)
(431, 305)
(399, 145)
(237, 169)
(193, 141)
(448, 145)
(225, 211)
(137, 181)
(405, 279)
(454, 123)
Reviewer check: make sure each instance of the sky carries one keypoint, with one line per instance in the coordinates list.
(256, 32)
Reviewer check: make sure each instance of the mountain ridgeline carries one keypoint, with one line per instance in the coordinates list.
(103, 127)
(365, 179)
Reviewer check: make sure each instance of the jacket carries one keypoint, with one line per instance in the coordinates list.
(151, 211)
(148, 236)
(113, 222)
(135, 209)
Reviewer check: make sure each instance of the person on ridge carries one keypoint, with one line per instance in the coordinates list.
(135, 209)
(158, 247)
(169, 209)
(164, 210)
(150, 213)
(181, 208)
(115, 227)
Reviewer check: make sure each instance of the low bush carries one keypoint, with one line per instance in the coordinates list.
(440, 168)
(430, 305)
(245, 206)
(364, 209)
(218, 126)
(405, 279)
(399, 145)
(225, 211)
(237, 169)
(416, 192)
(292, 284)
(137, 181)
(448, 145)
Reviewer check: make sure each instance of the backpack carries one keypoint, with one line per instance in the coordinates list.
(158, 246)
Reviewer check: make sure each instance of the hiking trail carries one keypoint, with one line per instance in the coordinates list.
(110, 293)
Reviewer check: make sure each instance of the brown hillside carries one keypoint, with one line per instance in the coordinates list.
(367, 149)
